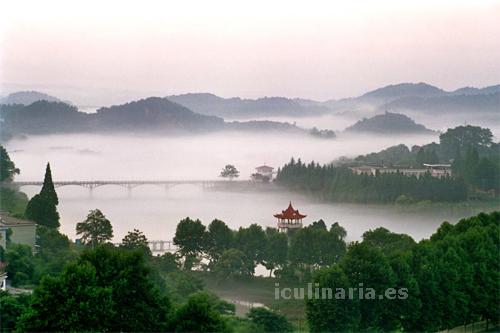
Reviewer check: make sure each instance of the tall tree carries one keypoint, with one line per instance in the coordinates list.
(96, 229)
(48, 191)
(367, 265)
(276, 252)
(42, 207)
(337, 314)
(42, 211)
(7, 167)
(136, 240)
(218, 239)
(190, 238)
(252, 242)
(462, 138)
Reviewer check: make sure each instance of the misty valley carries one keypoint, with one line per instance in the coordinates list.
(225, 208)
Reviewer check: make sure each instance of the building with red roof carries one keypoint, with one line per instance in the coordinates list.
(289, 218)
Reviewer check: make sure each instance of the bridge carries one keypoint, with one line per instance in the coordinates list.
(129, 184)
(159, 246)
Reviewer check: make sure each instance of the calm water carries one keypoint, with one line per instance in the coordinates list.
(156, 211)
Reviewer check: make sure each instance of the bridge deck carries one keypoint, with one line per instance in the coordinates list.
(126, 183)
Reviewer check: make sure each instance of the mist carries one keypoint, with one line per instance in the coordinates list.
(156, 211)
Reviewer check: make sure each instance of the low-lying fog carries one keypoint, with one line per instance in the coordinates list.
(156, 211)
(441, 123)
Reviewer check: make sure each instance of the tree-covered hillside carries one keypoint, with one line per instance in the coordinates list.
(388, 124)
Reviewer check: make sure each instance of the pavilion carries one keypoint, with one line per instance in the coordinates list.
(289, 218)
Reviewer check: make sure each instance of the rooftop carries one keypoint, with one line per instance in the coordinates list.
(290, 214)
(10, 221)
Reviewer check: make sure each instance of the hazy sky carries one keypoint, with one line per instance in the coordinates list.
(318, 49)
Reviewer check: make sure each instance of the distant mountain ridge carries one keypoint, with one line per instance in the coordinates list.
(150, 115)
(388, 124)
(406, 98)
(27, 98)
(236, 107)
(403, 90)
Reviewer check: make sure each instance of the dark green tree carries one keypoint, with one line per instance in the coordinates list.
(198, 315)
(167, 262)
(269, 321)
(20, 268)
(335, 312)
(190, 238)
(7, 168)
(12, 307)
(73, 301)
(276, 252)
(252, 242)
(48, 191)
(42, 211)
(461, 138)
(95, 230)
(107, 289)
(134, 240)
(218, 239)
(232, 264)
(42, 207)
(367, 266)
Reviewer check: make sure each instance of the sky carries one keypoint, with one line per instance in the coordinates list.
(100, 52)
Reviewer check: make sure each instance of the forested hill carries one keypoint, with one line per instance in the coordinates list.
(474, 159)
(467, 102)
(154, 115)
(340, 184)
(236, 107)
(388, 124)
(27, 98)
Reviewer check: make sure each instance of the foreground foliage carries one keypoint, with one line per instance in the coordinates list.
(451, 280)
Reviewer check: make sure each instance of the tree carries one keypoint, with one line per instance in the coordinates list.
(252, 242)
(190, 238)
(96, 229)
(134, 240)
(232, 264)
(388, 242)
(20, 268)
(71, 301)
(198, 315)
(7, 168)
(12, 308)
(42, 207)
(462, 138)
(43, 212)
(367, 265)
(106, 289)
(276, 252)
(167, 262)
(182, 284)
(337, 314)
(218, 239)
(269, 321)
(48, 191)
(54, 251)
(230, 172)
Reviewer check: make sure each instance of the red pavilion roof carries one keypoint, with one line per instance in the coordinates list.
(290, 214)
